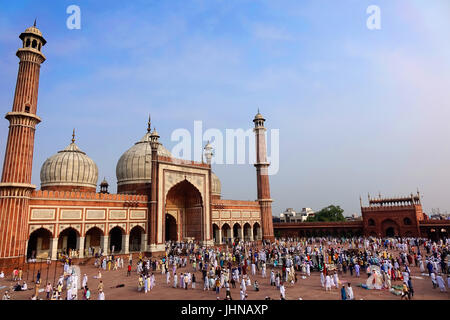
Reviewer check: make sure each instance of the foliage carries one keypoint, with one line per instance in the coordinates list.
(330, 213)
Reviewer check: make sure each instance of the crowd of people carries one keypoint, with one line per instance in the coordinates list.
(386, 262)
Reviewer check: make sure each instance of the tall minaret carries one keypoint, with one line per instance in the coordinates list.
(15, 186)
(153, 218)
(262, 178)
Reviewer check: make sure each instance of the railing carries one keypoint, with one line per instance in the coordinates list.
(28, 270)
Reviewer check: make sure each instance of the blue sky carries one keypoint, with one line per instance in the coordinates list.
(359, 111)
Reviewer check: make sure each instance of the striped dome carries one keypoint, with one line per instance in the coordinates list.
(69, 167)
(134, 166)
(216, 186)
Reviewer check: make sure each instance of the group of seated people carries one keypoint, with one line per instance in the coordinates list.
(19, 287)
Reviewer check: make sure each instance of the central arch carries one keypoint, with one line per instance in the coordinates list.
(186, 200)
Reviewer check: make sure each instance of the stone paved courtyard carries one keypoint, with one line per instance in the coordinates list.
(307, 289)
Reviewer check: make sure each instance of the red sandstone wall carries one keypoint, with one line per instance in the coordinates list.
(69, 188)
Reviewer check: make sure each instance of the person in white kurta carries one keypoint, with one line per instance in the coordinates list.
(441, 283)
(264, 270)
(243, 285)
(84, 282)
(405, 277)
(421, 266)
(101, 295)
(350, 295)
(327, 283)
(322, 279)
(308, 270)
(283, 291)
(152, 282)
(336, 279)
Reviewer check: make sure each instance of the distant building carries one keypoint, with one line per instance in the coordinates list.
(306, 213)
(290, 215)
(353, 217)
(440, 216)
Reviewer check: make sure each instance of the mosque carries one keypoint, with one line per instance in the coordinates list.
(158, 198)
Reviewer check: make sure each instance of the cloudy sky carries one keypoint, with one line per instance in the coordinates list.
(359, 111)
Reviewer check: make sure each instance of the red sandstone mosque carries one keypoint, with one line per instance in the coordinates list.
(158, 198)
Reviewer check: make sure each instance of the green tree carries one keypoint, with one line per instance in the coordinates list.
(330, 213)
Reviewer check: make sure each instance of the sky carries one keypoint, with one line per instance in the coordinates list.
(358, 111)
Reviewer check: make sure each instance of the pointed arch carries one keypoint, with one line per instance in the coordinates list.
(186, 199)
(39, 243)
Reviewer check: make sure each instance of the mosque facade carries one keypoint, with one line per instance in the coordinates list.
(159, 197)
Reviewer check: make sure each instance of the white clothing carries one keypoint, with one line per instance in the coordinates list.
(441, 283)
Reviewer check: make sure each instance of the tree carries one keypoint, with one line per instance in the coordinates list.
(330, 213)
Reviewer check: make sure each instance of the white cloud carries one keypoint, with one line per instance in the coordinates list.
(270, 32)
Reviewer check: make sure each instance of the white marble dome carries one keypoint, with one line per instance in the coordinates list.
(216, 187)
(69, 167)
(135, 164)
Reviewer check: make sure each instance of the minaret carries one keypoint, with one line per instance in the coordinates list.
(262, 178)
(154, 143)
(15, 186)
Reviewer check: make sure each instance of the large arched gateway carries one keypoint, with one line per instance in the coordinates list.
(184, 201)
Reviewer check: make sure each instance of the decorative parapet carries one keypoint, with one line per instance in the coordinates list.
(222, 203)
(183, 162)
(48, 194)
(410, 200)
(434, 223)
(390, 207)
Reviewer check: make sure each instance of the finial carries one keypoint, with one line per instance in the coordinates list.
(73, 136)
(34, 25)
(149, 124)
